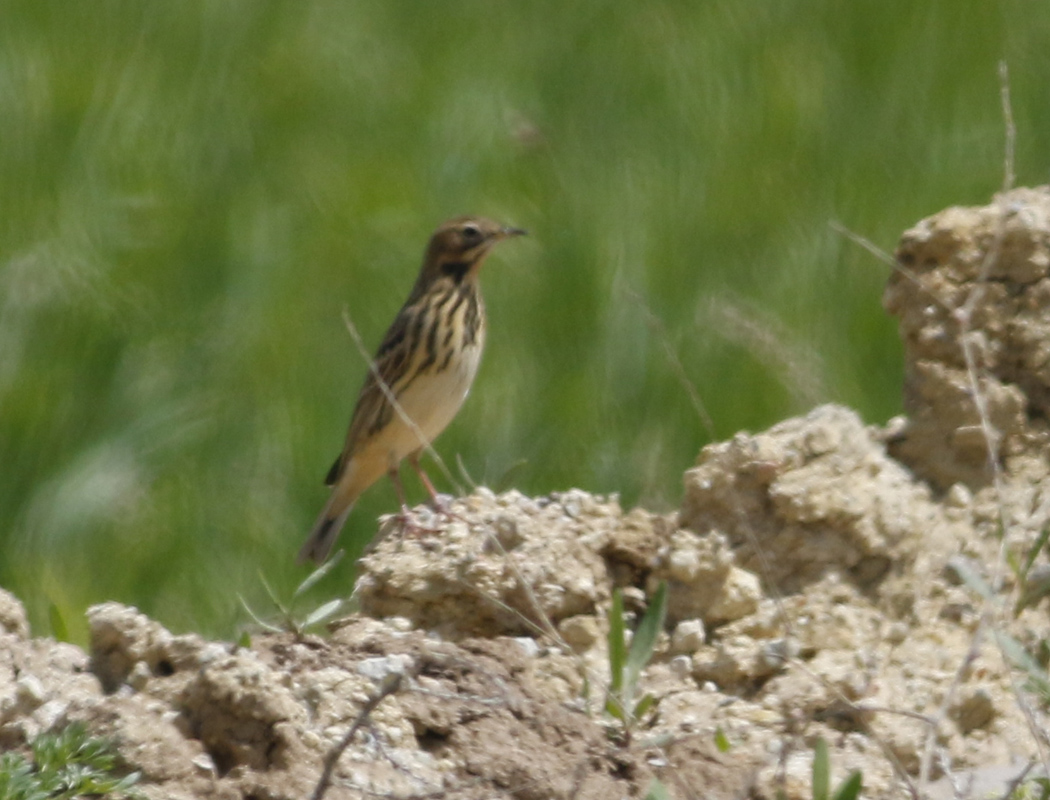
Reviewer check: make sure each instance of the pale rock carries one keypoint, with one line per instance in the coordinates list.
(688, 637)
(581, 632)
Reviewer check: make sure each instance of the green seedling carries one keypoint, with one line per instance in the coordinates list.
(287, 620)
(849, 789)
(1038, 681)
(626, 666)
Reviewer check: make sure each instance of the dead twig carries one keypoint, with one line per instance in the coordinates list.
(391, 683)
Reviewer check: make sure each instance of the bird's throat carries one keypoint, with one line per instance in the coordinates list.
(457, 270)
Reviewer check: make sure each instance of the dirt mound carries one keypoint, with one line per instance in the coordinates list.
(818, 587)
(979, 277)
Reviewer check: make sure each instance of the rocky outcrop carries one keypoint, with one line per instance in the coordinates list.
(826, 578)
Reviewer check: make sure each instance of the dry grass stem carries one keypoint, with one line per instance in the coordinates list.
(390, 684)
(389, 394)
(659, 330)
(800, 368)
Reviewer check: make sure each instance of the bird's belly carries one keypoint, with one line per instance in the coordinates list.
(431, 401)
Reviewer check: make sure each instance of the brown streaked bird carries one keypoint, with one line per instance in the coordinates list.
(427, 360)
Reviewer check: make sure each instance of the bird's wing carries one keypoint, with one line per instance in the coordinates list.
(374, 411)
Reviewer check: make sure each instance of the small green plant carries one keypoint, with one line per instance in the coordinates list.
(626, 665)
(1038, 682)
(1034, 789)
(66, 764)
(722, 741)
(287, 619)
(849, 789)
(657, 791)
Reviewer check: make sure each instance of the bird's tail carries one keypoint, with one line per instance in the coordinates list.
(326, 530)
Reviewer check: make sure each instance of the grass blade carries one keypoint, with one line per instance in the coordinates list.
(319, 615)
(644, 641)
(644, 706)
(1039, 543)
(617, 647)
(266, 626)
(850, 788)
(311, 580)
(1022, 659)
(821, 770)
(968, 575)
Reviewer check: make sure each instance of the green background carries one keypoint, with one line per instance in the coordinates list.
(192, 193)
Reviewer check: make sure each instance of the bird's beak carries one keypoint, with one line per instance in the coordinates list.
(506, 232)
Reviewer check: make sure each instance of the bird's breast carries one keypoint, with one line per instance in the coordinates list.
(442, 375)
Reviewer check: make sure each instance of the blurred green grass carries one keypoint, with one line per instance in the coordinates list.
(192, 193)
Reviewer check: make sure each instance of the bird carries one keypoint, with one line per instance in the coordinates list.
(426, 363)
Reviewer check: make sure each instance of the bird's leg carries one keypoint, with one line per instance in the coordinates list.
(439, 504)
(408, 520)
(395, 478)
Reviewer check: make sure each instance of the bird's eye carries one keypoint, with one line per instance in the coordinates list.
(471, 231)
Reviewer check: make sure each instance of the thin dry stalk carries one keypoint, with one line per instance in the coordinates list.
(868, 245)
(799, 368)
(886, 258)
(993, 611)
(389, 394)
(391, 683)
(659, 330)
(963, 315)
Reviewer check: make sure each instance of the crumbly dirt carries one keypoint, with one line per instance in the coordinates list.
(824, 581)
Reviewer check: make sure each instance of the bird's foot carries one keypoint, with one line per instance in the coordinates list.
(413, 527)
(442, 504)
(435, 519)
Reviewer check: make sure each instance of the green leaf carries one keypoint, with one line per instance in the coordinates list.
(319, 615)
(1022, 659)
(722, 741)
(614, 708)
(1036, 547)
(644, 706)
(850, 788)
(970, 577)
(1014, 564)
(821, 770)
(1043, 784)
(617, 647)
(312, 579)
(266, 626)
(644, 641)
(1034, 587)
(272, 594)
(244, 641)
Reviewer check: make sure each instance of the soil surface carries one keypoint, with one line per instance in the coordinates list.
(826, 579)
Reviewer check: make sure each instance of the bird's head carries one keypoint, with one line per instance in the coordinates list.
(459, 246)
